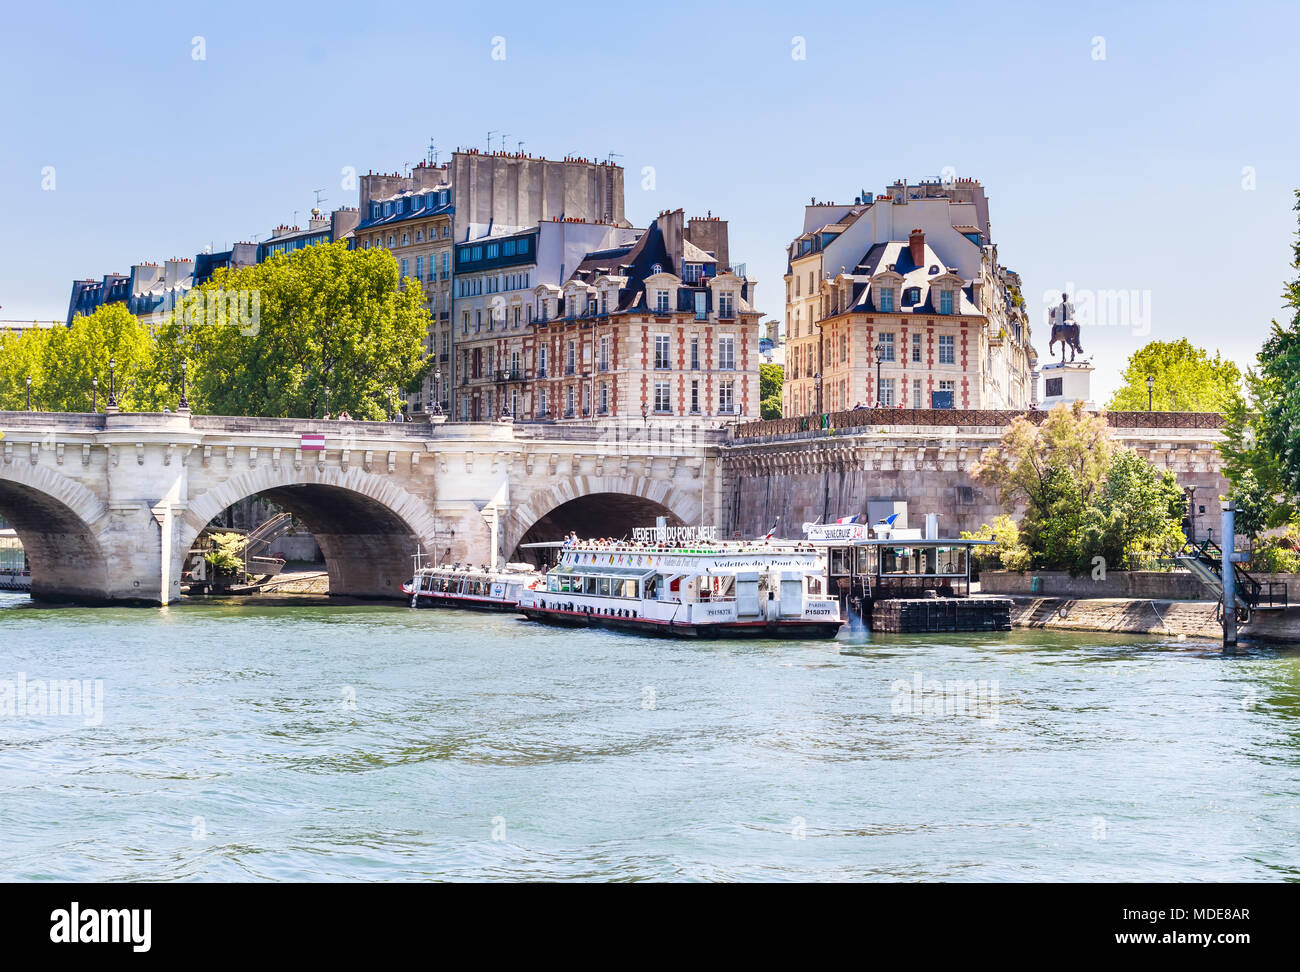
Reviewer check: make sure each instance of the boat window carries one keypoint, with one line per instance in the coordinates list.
(839, 561)
(629, 588)
(604, 586)
(952, 560)
(652, 587)
(814, 584)
(928, 558)
(866, 560)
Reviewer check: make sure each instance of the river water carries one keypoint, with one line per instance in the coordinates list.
(316, 741)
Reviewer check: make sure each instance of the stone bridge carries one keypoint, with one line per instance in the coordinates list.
(108, 505)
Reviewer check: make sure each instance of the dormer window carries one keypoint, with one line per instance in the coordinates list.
(913, 295)
(656, 268)
(727, 305)
(945, 302)
(661, 301)
(886, 301)
(692, 272)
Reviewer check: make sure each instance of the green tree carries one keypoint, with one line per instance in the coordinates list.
(1021, 465)
(22, 355)
(1140, 510)
(1256, 506)
(770, 378)
(327, 318)
(1261, 436)
(1082, 496)
(1187, 379)
(1006, 553)
(1276, 388)
(62, 361)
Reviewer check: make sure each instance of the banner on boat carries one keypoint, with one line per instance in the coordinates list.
(667, 534)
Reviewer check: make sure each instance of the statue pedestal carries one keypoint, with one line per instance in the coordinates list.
(1066, 383)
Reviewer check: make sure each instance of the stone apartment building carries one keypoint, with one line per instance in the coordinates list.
(655, 329)
(151, 292)
(497, 274)
(899, 300)
(411, 216)
(423, 216)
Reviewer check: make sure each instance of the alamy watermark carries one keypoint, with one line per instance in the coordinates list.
(24, 698)
(938, 697)
(219, 308)
(1104, 308)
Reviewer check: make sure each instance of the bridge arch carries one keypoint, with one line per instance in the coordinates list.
(367, 527)
(597, 506)
(58, 522)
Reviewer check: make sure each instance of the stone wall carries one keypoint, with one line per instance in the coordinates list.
(826, 476)
(1161, 584)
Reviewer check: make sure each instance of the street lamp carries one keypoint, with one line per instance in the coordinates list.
(29, 393)
(437, 390)
(817, 386)
(184, 404)
(1151, 384)
(645, 414)
(94, 393)
(112, 383)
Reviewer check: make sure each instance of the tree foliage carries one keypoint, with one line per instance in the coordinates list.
(1187, 379)
(1006, 553)
(62, 361)
(1083, 497)
(1261, 439)
(770, 378)
(321, 317)
(329, 318)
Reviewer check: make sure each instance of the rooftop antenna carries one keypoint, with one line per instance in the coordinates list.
(319, 197)
(490, 134)
(503, 142)
(433, 152)
(520, 148)
(295, 218)
(613, 156)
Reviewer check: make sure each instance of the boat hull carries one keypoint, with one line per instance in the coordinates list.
(786, 628)
(463, 602)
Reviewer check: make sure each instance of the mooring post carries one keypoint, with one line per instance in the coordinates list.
(1228, 570)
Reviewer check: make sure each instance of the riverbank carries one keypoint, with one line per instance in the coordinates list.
(1118, 615)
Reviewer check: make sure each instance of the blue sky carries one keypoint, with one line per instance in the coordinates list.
(1122, 174)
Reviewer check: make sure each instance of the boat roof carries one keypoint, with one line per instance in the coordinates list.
(903, 542)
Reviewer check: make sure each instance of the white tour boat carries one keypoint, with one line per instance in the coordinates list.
(463, 586)
(688, 588)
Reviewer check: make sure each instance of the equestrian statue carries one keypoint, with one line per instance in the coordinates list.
(1064, 329)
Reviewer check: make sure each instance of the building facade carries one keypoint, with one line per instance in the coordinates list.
(652, 330)
(152, 292)
(899, 300)
(497, 276)
(411, 216)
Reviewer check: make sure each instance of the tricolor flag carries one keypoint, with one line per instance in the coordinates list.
(312, 442)
(772, 532)
(850, 519)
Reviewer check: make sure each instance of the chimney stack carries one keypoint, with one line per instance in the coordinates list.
(916, 243)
